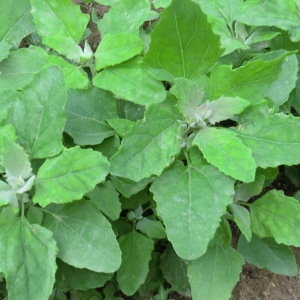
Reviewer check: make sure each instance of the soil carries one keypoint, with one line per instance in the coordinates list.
(254, 283)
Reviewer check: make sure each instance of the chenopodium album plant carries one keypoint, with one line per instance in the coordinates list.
(125, 166)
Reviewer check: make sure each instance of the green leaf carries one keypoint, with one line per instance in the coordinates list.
(161, 3)
(86, 120)
(214, 275)
(278, 216)
(174, 269)
(282, 14)
(18, 69)
(224, 150)
(117, 48)
(136, 255)
(273, 138)
(241, 217)
(224, 108)
(196, 197)
(7, 195)
(75, 77)
(150, 146)
(7, 98)
(125, 16)
(61, 26)
(28, 259)
(121, 126)
(129, 81)
(106, 198)
(152, 228)
(69, 176)
(266, 254)
(15, 22)
(37, 114)
(4, 50)
(188, 49)
(250, 81)
(70, 278)
(84, 237)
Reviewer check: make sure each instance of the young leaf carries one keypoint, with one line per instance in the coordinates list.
(224, 150)
(84, 237)
(273, 138)
(282, 14)
(196, 197)
(174, 269)
(75, 77)
(241, 217)
(70, 278)
(69, 176)
(86, 120)
(37, 114)
(8, 196)
(28, 255)
(150, 146)
(278, 216)
(136, 255)
(188, 49)
(250, 81)
(266, 254)
(129, 82)
(61, 25)
(153, 229)
(106, 198)
(125, 16)
(117, 48)
(214, 275)
(18, 69)
(15, 22)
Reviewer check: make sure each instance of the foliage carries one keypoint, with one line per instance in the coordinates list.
(126, 166)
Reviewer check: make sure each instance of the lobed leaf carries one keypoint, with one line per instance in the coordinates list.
(278, 216)
(182, 43)
(217, 270)
(84, 237)
(196, 197)
(136, 255)
(69, 176)
(28, 259)
(226, 151)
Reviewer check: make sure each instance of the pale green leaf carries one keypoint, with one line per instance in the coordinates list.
(174, 269)
(69, 176)
(282, 14)
(84, 237)
(214, 275)
(117, 48)
(250, 81)
(61, 25)
(125, 16)
(75, 77)
(130, 82)
(121, 126)
(38, 116)
(278, 216)
(161, 3)
(196, 197)
(266, 254)
(136, 255)
(15, 21)
(7, 195)
(241, 216)
(182, 43)
(7, 98)
(28, 255)
(224, 108)
(273, 138)
(106, 198)
(152, 228)
(71, 278)
(18, 69)
(222, 148)
(87, 111)
(150, 146)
